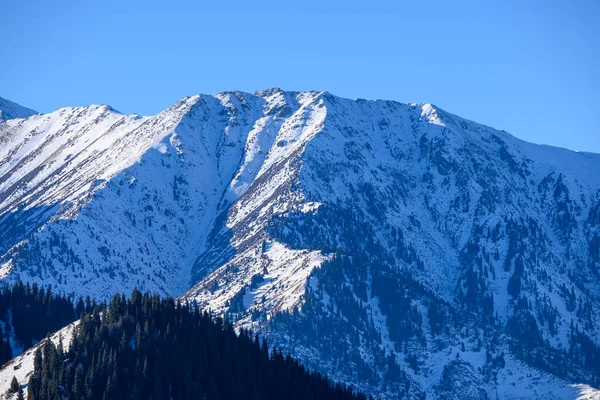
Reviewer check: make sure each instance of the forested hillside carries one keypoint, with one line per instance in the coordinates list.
(145, 347)
(28, 313)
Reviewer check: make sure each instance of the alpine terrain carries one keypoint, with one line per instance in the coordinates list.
(396, 247)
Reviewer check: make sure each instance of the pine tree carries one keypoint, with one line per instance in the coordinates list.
(14, 385)
(180, 354)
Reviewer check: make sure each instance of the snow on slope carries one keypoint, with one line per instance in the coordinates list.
(350, 153)
(11, 110)
(461, 194)
(21, 367)
(95, 202)
(250, 200)
(519, 381)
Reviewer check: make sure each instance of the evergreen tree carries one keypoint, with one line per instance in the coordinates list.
(14, 385)
(35, 313)
(146, 347)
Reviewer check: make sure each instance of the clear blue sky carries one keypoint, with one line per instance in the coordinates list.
(529, 67)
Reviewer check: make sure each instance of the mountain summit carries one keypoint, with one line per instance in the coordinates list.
(396, 247)
(11, 110)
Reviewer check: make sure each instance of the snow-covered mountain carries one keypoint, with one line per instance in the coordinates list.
(397, 247)
(11, 110)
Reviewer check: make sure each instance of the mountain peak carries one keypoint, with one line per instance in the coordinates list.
(268, 92)
(12, 110)
(377, 234)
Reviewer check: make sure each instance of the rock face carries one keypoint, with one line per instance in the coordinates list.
(393, 246)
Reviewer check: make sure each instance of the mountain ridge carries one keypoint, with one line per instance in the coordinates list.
(12, 110)
(389, 232)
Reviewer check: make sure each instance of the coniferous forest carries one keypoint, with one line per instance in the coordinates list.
(145, 347)
(31, 312)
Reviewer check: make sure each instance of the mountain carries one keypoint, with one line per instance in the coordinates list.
(11, 110)
(396, 247)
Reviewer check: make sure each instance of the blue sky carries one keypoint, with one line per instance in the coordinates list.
(529, 67)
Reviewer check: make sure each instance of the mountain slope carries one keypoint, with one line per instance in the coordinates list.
(160, 178)
(21, 367)
(11, 110)
(382, 237)
(430, 211)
